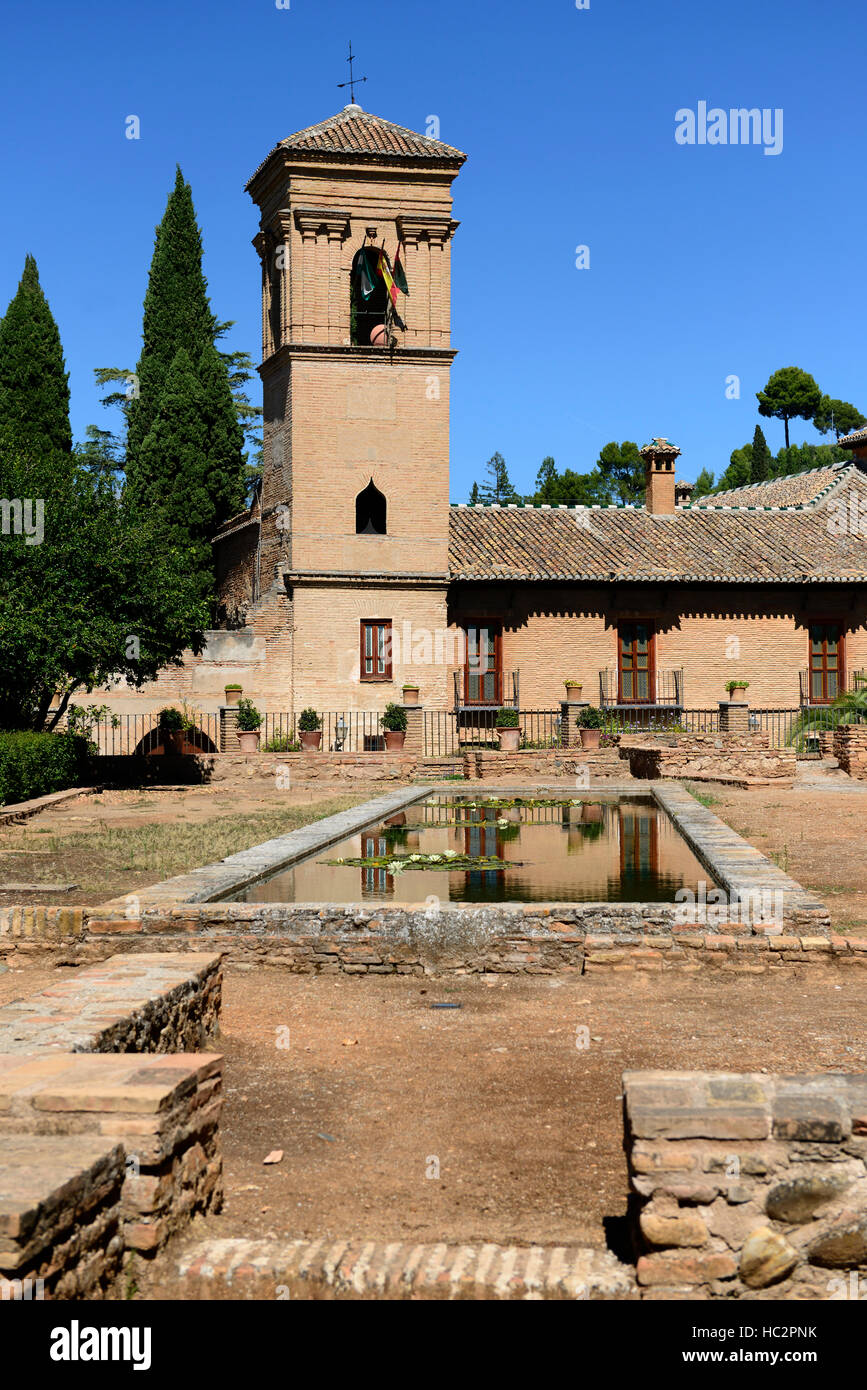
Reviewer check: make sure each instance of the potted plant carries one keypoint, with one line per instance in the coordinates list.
(410, 694)
(172, 731)
(233, 694)
(509, 730)
(249, 721)
(573, 689)
(591, 722)
(310, 729)
(732, 686)
(393, 721)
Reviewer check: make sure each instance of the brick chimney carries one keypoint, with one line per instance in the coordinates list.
(683, 494)
(659, 456)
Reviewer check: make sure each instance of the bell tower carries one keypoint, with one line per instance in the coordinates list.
(356, 432)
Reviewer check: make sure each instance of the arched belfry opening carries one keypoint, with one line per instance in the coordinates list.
(368, 296)
(370, 512)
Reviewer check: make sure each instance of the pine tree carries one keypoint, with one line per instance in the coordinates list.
(703, 484)
(474, 495)
(761, 461)
(34, 386)
(226, 465)
(177, 313)
(498, 486)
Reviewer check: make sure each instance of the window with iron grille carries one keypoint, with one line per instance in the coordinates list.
(376, 649)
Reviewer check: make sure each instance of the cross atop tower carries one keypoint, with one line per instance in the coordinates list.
(352, 78)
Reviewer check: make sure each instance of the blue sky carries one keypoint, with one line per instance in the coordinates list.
(705, 261)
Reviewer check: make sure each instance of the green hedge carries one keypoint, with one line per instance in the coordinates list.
(36, 764)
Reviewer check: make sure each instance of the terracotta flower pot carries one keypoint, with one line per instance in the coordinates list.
(249, 740)
(410, 694)
(394, 740)
(510, 740)
(377, 335)
(173, 742)
(233, 694)
(573, 692)
(590, 738)
(311, 739)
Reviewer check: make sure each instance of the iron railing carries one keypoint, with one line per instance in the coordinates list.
(664, 688)
(447, 732)
(491, 689)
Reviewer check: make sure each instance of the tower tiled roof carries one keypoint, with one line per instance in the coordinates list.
(728, 543)
(357, 134)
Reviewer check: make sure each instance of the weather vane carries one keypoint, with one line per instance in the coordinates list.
(352, 79)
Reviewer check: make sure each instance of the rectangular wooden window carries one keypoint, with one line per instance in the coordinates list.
(826, 662)
(376, 649)
(483, 676)
(635, 664)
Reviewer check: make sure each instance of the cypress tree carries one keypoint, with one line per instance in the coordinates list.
(191, 462)
(34, 386)
(762, 459)
(177, 315)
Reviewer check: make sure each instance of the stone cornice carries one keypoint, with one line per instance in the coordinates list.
(354, 580)
(435, 226)
(347, 353)
(312, 221)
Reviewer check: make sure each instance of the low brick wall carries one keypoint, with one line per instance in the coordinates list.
(162, 1002)
(850, 749)
(748, 1186)
(108, 1132)
(357, 1270)
(60, 1218)
(739, 760)
(165, 1111)
(503, 939)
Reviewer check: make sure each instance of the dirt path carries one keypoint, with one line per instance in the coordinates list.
(375, 1085)
(816, 834)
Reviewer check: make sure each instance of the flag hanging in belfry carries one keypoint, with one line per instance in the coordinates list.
(398, 272)
(385, 272)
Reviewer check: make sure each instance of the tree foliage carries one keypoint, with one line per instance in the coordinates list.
(761, 461)
(34, 386)
(621, 472)
(98, 598)
(789, 394)
(497, 485)
(839, 416)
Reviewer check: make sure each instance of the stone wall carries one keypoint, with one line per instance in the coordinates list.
(108, 1133)
(740, 760)
(60, 1218)
(164, 1002)
(163, 1109)
(748, 1186)
(849, 747)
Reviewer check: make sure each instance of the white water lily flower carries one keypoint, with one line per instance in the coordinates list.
(452, 854)
(434, 859)
(414, 858)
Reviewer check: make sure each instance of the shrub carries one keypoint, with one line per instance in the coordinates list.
(282, 743)
(249, 718)
(36, 764)
(591, 718)
(507, 719)
(171, 720)
(309, 721)
(393, 719)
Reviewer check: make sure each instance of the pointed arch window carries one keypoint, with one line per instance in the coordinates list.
(370, 512)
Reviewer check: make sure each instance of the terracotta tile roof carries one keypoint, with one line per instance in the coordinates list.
(794, 490)
(357, 134)
(856, 437)
(717, 544)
